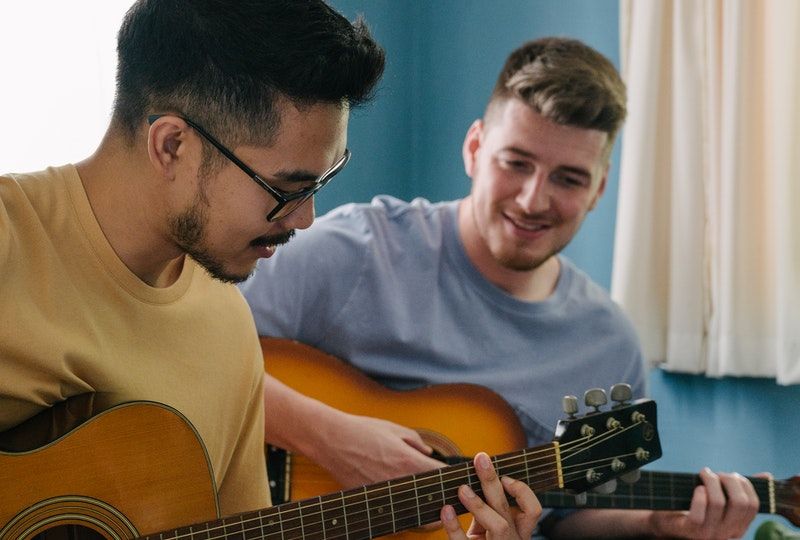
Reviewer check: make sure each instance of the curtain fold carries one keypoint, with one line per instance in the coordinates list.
(706, 256)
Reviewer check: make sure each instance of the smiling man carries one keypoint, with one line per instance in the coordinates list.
(476, 291)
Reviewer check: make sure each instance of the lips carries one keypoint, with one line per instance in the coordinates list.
(529, 225)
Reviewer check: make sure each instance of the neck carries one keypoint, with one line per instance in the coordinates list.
(122, 192)
(532, 285)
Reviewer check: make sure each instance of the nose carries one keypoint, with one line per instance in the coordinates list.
(534, 195)
(302, 217)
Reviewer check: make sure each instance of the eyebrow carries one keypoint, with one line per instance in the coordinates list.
(580, 171)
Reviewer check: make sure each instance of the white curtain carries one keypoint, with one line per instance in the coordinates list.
(707, 256)
(57, 65)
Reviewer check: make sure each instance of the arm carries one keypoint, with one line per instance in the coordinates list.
(356, 450)
(722, 507)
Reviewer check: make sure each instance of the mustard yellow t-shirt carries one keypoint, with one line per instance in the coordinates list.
(75, 319)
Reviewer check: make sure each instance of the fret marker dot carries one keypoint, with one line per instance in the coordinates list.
(430, 498)
(380, 510)
(334, 521)
(271, 522)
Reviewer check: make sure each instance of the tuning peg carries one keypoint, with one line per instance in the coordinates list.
(606, 487)
(595, 397)
(621, 393)
(570, 405)
(631, 477)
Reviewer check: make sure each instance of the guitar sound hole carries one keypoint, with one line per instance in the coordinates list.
(69, 532)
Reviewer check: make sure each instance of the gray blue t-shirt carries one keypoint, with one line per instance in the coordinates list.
(388, 287)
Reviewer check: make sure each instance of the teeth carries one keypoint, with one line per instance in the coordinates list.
(529, 226)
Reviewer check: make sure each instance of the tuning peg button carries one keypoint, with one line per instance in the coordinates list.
(606, 487)
(621, 393)
(631, 477)
(595, 397)
(570, 405)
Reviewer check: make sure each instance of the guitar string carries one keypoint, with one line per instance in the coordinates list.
(457, 470)
(517, 456)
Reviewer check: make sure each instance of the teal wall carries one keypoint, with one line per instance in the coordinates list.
(443, 58)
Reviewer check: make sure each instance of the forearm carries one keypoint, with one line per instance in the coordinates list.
(604, 524)
(294, 421)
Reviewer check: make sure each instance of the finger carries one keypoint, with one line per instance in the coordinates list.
(697, 509)
(414, 440)
(742, 504)
(715, 499)
(493, 490)
(451, 525)
(530, 509)
(486, 516)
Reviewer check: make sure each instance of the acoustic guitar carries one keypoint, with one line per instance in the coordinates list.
(140, 470)
(453, 420)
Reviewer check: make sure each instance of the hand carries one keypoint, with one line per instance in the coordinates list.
(494, 519)
(722, 507)
(366, 450)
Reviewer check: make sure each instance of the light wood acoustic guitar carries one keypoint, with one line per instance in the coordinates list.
(458, 420)
(140, 470)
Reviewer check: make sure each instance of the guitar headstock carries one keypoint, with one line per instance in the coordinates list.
(600, 446)
(787, 493)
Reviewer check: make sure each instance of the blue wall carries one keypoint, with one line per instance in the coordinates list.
(443, 58)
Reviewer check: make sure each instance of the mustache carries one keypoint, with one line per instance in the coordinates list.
(273, 239)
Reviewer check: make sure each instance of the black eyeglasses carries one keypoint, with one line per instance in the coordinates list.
(288, 202)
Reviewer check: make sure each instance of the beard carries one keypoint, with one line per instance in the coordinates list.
(188, 231)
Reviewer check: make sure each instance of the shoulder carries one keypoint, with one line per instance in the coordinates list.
(592, 301)
(26, 204)
(384, 215)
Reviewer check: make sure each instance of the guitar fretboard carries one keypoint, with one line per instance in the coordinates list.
(375, 510)
(660, 491)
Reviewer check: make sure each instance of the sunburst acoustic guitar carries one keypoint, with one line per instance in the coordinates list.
(140, 470)
(455, 420)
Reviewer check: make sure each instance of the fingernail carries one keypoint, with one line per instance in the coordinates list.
(506, 480)
(483, 461)
(448, 513)
(467, 491)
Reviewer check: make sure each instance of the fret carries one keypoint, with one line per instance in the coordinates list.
(379, 510)
(334, 517)
(182, 533)
(546, 465)
(430, 496)
(322, 517)
(405, 507)
(356, 532)
(233, 528)
(253, 529)
(271, 523)
(311, 525)
(200, 531)
(289, 518)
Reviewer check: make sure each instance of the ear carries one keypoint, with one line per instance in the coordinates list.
(472, 142)
(166, 144)
(601, 188)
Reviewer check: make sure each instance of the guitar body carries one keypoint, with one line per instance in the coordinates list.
(454, 419)
(134, 469)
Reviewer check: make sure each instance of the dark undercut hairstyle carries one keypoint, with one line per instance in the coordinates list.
(565, 81)
(227, 64)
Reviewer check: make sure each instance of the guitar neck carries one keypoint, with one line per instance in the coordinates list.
(378, 509)
(659, 491)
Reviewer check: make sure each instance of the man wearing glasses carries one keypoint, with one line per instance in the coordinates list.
(117, 270)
